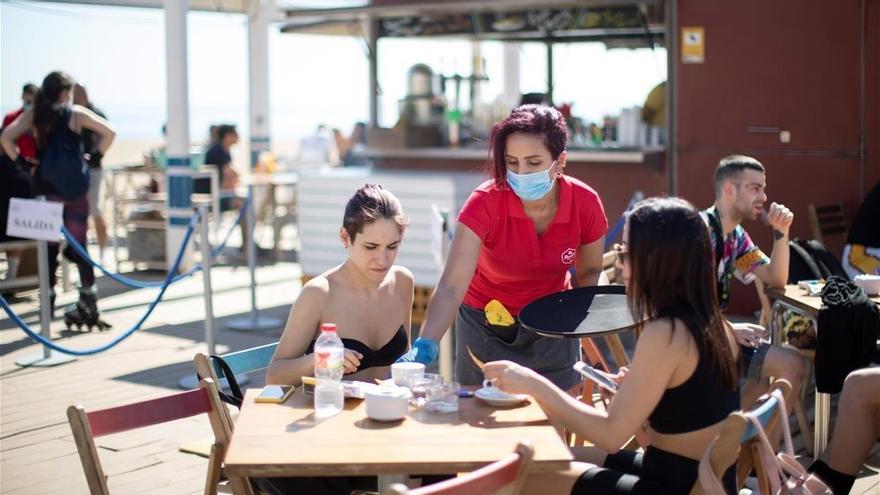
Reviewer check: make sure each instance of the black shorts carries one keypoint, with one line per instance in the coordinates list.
(653, 472)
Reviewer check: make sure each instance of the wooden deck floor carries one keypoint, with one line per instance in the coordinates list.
(37, 453)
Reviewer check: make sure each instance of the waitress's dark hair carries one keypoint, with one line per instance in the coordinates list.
(671, 276)
(44, 104)
(370, 203)
(539, 120)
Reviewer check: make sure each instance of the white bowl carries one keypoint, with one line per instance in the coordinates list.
(387, 403)
(870, 283)
(402, 373)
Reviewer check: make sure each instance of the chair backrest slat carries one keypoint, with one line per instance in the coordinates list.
(487, 479)
(149, 412)
(764, 413)
(826, 219)
(248, 360)
(505, 475)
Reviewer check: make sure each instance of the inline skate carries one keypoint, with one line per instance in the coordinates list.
(85, 311)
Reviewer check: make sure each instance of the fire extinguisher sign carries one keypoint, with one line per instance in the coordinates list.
(693, 45)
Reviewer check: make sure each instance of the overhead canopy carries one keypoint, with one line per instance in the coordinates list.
(227, 6)
(617, 22)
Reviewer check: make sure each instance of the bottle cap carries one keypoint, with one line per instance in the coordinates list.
(328, 327)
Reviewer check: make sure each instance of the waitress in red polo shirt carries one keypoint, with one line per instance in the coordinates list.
(518, 235)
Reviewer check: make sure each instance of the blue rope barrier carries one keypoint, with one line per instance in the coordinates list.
(167, 282)
(241, 212)
(130, 282)
(141, 284)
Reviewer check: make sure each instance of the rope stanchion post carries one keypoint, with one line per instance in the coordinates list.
(254, 321)
(65, 267)
(191, 381)
(48, 357)
(207, 262)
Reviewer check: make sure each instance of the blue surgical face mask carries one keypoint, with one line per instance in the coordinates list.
(531, 187)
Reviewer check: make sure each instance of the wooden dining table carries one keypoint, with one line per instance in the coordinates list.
(278, 440)
(794, 298)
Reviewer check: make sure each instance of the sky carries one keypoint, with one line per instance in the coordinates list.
(119, 54)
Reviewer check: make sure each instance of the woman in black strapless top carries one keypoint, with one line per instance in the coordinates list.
(682, 380)
(368, 297)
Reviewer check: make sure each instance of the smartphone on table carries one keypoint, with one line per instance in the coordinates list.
(275, 393)
(596, 376)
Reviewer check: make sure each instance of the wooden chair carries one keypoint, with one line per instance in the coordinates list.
(240, 362)
(86, 426)
(737, 442)
(826, 220)
(590, 393)
(505, 476)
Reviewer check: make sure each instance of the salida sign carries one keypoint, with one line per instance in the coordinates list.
(32, 219)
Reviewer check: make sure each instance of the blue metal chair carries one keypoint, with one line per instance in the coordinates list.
(233, 364)
(737, 442)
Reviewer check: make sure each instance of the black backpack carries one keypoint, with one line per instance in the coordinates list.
(62, 163)
(810, 260)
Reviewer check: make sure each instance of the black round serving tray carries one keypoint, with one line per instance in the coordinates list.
(583, 312)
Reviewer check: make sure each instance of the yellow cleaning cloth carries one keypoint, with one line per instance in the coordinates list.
(497, 314)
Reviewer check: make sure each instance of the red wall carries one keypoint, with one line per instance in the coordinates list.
(616, 183)
(791, 64)
(872, 94)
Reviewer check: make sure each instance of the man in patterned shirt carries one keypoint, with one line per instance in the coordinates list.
(740, 186)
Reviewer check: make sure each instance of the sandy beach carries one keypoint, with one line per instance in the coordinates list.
(125, 151)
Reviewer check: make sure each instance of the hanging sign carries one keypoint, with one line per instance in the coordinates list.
(693, 45)
(33, 219)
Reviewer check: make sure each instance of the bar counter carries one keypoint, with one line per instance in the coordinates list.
(466, 157)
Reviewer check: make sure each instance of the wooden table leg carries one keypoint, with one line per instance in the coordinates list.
(820, 423)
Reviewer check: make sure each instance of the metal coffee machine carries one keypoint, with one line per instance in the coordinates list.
(422, 109)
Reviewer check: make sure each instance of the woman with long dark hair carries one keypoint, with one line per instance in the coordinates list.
(683, 376)
(54, 112)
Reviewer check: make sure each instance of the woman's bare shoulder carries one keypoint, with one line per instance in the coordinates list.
(315, 291)
(402, 275)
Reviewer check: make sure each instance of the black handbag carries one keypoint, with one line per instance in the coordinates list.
(237, 397)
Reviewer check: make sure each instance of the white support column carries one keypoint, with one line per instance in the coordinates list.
(260, 14)
(371, 30)
(511, 92)
(177, 138)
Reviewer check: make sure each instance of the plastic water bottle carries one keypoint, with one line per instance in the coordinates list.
(328, 372)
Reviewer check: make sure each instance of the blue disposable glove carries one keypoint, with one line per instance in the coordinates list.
(423, 351)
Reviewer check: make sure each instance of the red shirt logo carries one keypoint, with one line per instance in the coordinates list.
(568, 256)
